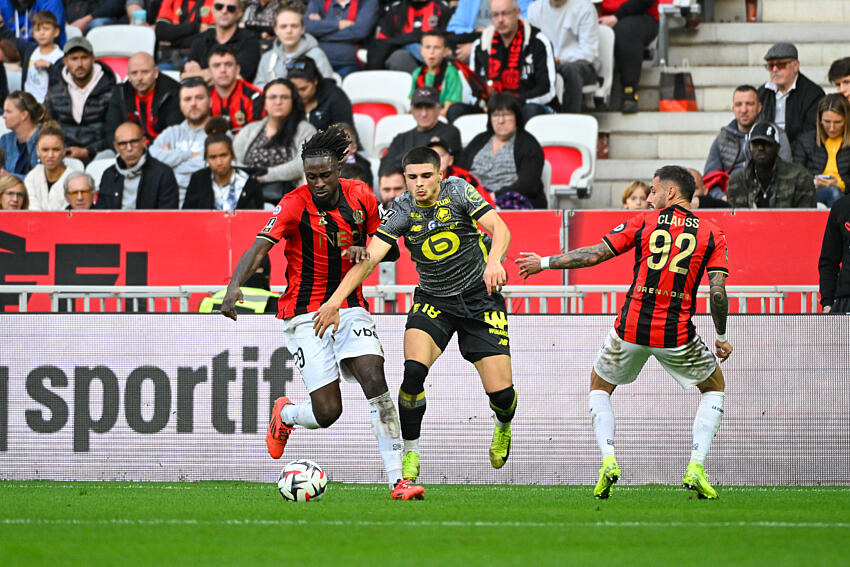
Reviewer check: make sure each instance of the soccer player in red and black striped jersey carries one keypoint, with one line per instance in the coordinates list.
(325, 224)
(673, 248)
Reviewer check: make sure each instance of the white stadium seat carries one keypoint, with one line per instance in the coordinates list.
(74, 163)
(378, 93)
(72, 31)
(387, 129)
(97, 167)
(13, 80)
(365, 127)
(606, 58)
(569, 144)
(470, 125)
(113, 45)
(173, 73)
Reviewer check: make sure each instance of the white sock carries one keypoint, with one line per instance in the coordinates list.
(387, 430)
(602, 420)
(411, 445)
(706, 424)
(301, 414)
(501, 425)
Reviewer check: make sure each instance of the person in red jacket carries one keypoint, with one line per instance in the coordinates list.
(635, 24)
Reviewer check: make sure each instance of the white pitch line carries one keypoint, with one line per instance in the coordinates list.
(414, 524)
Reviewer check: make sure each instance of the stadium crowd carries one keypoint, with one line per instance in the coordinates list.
(272, 70)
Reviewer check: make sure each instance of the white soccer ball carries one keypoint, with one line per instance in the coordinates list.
(302, 481)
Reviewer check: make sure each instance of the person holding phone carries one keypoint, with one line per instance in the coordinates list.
(825, 152)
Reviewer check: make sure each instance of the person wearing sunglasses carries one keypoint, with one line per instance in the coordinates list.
(324, 102)
(789, 99)
(243, 42)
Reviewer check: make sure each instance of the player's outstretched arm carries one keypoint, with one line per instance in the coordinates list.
(719, 305)
(247, 265)
(531, 263)
(495, 275)
(328, 313)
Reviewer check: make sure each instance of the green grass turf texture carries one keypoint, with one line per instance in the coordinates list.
(233, 523)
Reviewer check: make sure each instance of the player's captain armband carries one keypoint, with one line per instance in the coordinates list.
(269, 225)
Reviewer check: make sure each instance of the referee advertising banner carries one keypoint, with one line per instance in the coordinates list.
(188, 397)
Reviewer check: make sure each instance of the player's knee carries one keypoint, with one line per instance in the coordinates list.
(413, 383)
(328, 413)
(503, 403)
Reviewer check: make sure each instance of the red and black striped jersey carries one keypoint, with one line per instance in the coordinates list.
(245, 104)
(673, 249)
(315, 239)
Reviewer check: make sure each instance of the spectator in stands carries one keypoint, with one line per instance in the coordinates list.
(45, 181)
(136, 180)
(789, 99)
(256, 294)
(19, 16)
(291, 43)
(236, 99)
(36, 57)
(767, 181)
(573, 28)
(839, 75)
(353, 155)
(426, 111)
(390, 185)
(259, 17)
(449, 169)
(507, 159)
(80, 190)
(220, 186)
(149, 98)
(834, 261)
(274, 143)
(88, 14)
(178, 24)
(340, 25)
(353, 171)
(635, 195)
(400, 32)
(702, 199)
(469, 19)
(511, 56)
(23, 117)
(242, 42)
(825, 152)
(78, 98)
(635, 24)
(730, 150)
(13, 194)
(324, 102)
(437, 71)
(181, 147)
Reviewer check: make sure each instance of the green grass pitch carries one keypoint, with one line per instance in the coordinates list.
(232, 523)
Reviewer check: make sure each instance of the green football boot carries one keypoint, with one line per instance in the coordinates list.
(609, 474)
(410, 466)
(500, 447)
(696, 479)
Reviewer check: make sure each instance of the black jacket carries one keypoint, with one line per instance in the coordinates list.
(90, 133)
(834, 263)
(801, 108)
(165, 111)
(408, 140)
(157, 187)
(199, 194)
(813, 157)
(528, 156)
(332, 106)
(244, 43)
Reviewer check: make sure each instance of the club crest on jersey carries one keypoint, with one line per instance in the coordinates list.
(358, 216)
(443, 214)
(619, 227)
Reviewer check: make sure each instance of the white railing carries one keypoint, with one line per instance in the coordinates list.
(387, 298)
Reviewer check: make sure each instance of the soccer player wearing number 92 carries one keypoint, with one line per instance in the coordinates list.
(460, 276)
(674, 249)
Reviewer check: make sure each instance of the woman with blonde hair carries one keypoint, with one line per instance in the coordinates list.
(13, 194)
(635, 195)
(45, 182)
(23, 115)
(825, 151)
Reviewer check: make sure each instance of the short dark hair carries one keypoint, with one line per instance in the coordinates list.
(746, 89)
(221, 50)
(420, 155)
(216, 130)
(434, 32)
(390, 169)
(352, 171)
(678, 176)
(192, 83)
(839, 68)
(303, 67)
(504, 101)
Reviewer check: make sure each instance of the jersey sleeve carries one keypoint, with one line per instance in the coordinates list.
(395, 223)
(621, 238)
(474, 203)
(281, 220)
(373, 217)
(719, 259)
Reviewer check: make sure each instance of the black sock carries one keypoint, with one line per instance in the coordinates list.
(503, 404)
(411, 399)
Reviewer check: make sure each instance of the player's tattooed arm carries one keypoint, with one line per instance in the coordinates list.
(529, 263)
(718, 300)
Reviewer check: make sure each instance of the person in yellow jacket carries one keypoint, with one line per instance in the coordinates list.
(257, 297)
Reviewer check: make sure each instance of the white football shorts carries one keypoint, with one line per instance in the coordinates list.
(320, 361)
(619, 362)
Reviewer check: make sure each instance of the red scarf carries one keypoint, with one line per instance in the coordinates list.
(505, 77)
(438, 77)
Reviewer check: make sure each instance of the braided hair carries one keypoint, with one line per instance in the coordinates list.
(332, 142)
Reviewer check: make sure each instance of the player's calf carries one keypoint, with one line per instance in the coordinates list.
(411, 403)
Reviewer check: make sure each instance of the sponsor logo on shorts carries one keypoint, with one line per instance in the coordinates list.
(365, 333)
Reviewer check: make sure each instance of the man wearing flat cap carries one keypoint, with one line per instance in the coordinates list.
(789, 99)
(768, 181)
(78, 97)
